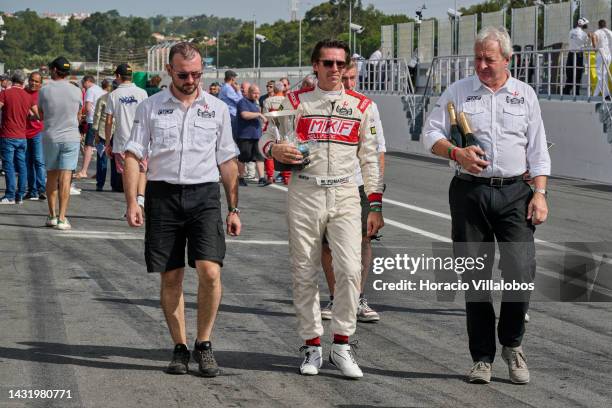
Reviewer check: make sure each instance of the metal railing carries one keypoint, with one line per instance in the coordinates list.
(391, 76)
(549, 72)
(606, 105)
(388, 76)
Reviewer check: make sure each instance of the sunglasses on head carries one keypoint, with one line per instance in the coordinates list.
(330, 63)
(184, 75)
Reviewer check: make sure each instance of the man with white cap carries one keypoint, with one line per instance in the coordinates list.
(578, 40)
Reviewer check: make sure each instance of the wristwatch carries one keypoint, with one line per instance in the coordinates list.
(234, 210)
(541, 191)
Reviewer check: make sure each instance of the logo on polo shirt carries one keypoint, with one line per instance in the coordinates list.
(165, 111)
(515, 100)
(128, 100)
(472, 98)
(205, 113)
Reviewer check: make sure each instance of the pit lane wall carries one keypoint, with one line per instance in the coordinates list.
(579, 130)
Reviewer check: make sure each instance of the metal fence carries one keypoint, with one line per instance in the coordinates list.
(553, 74)
(550, 73)
(389, 76)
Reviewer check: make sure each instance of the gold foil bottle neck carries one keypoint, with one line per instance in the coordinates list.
(464, 124)
(452, 113)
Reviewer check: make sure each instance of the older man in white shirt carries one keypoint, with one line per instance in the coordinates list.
(488, 198)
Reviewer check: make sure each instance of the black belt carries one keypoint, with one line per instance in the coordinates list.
(492, 181)
(178, 187)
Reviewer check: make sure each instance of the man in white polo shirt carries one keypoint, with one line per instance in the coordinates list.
(186, 135)
(121, 107)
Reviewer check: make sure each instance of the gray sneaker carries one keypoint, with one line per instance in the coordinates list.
(480, 373)
(517, 364)
(365, 313)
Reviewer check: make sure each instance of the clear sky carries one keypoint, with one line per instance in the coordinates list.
(265, 11)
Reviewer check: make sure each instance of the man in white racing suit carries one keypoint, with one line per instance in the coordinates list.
(339, 128)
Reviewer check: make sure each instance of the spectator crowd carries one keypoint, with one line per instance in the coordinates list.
(46, 124)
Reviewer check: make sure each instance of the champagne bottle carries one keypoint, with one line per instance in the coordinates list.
(466, 130)
(456, 137)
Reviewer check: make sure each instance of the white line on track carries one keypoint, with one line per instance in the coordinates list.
(437, 237)
(418, 209)
(398, 224)
(127, 235)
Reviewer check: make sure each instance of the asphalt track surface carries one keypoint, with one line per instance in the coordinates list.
(80, 313)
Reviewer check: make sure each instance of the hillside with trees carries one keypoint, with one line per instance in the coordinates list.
(32, 41)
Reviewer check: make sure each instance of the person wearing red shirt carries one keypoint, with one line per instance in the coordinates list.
(35, 162)
(16, 105)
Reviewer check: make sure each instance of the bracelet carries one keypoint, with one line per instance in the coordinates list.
(453, 154)
(449, 151)
(376, 206)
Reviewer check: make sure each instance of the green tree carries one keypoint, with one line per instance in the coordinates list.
(25, 47)
(139, 31)
(105, 29)
(75, 38)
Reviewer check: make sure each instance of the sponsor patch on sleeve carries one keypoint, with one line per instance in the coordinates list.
(294, 99)
(373, 130)
(363, 105)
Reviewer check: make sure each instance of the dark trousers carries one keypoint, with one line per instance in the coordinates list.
(482, 214)
(573, 58)
(116, 180)
(101, 165)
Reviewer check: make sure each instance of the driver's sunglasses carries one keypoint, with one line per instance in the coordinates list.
(184, 75)
(330, 63)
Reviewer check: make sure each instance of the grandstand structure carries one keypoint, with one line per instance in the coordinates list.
(423, 58)
(434, 37)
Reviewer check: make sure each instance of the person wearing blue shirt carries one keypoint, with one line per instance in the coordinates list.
(248, 132)
(230, 94)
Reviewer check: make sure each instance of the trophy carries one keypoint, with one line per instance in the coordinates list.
(284, 122)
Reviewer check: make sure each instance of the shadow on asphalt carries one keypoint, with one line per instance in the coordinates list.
(596, 187)
(40, 227)
(194, 306)
(379, 307)
(85, 355)
(98, 357)
(43, 214)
